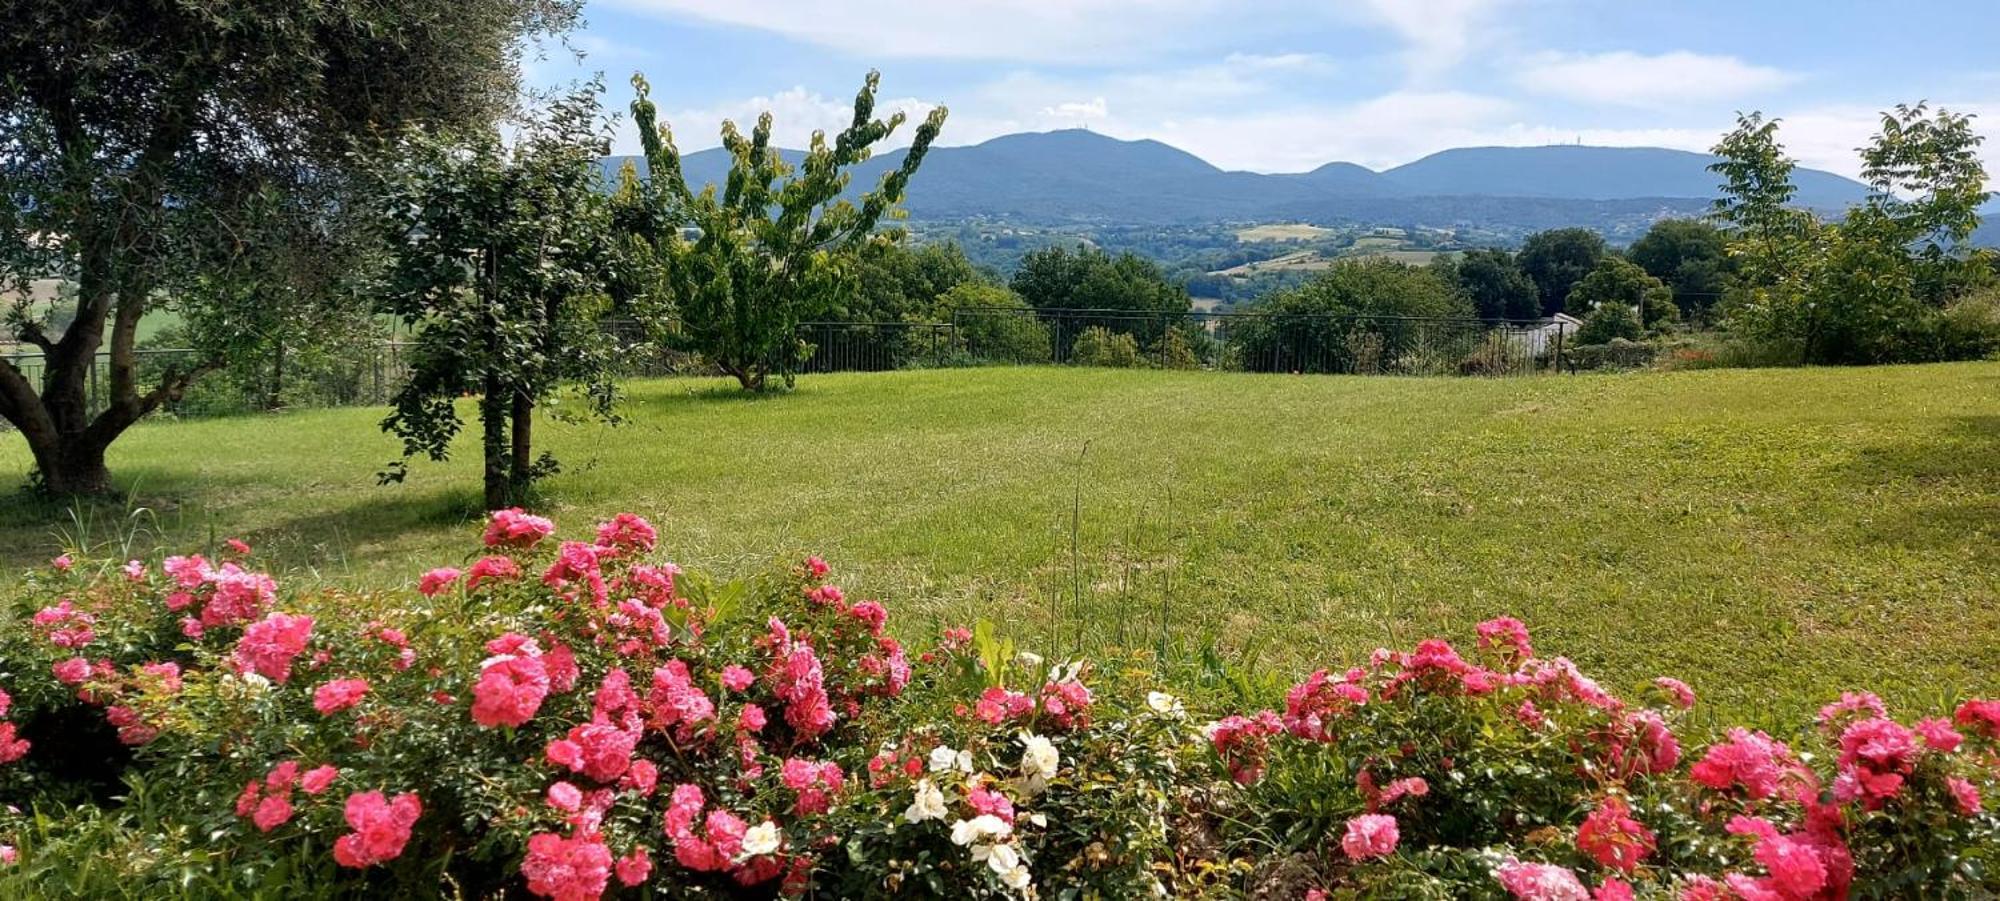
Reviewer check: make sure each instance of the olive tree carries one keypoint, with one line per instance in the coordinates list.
(143, 143)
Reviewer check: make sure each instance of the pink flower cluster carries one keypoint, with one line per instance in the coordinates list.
(598, 749)
(268, 801)
(64, 626)
(12, 746)
(1809, 863)
(1242, 743)
(1313, 708)
(1754, 764)
(714, 844)
(229, 595)
(269, 645)
(511, 684)
(338, 695)
(815, 783)
(381, 828)
(1368, 836)
(1610, 836)
(577, 868)
(628, 532)
(800, 682)
(516, 528)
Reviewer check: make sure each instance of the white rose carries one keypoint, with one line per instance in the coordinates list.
(1029, 659)
(928, 805)
(978, 829)
(1165, 704)
(760, 839)
(1039, 761)
(944, 760)
(1003, 858)
(1016, 878)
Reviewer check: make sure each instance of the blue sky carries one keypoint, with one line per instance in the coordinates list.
(1285, 85)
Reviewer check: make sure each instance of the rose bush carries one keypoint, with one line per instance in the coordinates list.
(574, 719)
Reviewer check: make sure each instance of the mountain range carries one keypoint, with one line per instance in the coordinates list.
(1081, 177)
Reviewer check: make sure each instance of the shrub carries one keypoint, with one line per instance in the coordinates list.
(1099, 346)
(1175, 351)
(571, 719)
(993, 324)
(1966, 329)
(1358, 315)
(1607, 321)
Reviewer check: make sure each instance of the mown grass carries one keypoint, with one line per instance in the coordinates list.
(1773, 536)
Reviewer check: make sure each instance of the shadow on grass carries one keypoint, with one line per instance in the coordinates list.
(153, 503)
(1936, 473)
(666, 396)
(171, 515)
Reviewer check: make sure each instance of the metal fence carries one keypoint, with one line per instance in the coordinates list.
(978, 336)
(1259, 342)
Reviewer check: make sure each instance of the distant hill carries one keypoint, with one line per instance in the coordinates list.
(1078, 176)
(1595, 173)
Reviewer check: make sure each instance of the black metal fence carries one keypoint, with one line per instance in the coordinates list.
(979, 336)
(1256, 342)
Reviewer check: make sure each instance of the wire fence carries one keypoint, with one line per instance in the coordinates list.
(370, 373)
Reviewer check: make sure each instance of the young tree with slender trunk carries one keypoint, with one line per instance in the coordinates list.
(501, 264)
(142, 143)
(773, 248)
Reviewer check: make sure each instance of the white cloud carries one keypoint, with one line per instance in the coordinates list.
(1015, 30)
(1625, 78)
(1279, 62)
(1438, 34)
(1081, 110)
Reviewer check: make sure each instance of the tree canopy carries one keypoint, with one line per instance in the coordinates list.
(1617, 280)
(1497, 288)
(1556, 260)
(501, 264)
(1691, 256)
(1883, 284)
(146, 148)
(773, 247)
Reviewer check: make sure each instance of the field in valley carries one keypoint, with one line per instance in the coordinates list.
(1772, 536)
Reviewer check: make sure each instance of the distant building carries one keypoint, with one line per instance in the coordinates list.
(1541, 336)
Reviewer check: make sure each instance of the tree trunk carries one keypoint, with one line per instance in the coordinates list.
(523, 470)
(493, 423)
(277, 378)
(78, 469)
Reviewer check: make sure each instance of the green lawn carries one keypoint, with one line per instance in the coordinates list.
(1773, 536)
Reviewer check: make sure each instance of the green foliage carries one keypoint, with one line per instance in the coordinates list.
(1089, 279)
(1175, 351)
(896, 282)
(1620, 281)
(1869, 288)
(1556, 260)
(539, 732)
(993, 324)
(1325, 325)
(500, 266)
(773, 247)
(1608, 320)
(1099, 346)
(1691, 256)
(1496, 286)
(203, 158)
